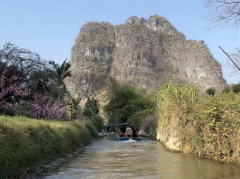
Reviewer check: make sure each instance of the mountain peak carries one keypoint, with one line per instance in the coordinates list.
(147, 53)
(155, 22)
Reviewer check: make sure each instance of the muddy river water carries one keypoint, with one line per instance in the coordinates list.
(108, 158)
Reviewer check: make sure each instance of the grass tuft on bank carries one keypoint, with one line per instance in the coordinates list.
(26, 144)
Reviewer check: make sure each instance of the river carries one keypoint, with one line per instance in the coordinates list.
(111, 159)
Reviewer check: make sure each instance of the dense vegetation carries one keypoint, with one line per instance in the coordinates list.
(39, 81)
(209, 125)
(205, 123)
(125, 102)
(34, 88)
(28, 144)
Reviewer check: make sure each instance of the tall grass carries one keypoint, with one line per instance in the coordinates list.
(210, 126)
(217, 126)
(176, 101)
(27, 143)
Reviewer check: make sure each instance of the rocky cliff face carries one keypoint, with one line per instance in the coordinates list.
(145, 52)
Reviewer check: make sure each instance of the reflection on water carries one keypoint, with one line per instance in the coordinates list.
(108, 158)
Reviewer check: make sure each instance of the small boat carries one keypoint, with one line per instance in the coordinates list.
(122, 132)
(108, 129)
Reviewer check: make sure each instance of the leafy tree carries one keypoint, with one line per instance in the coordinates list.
(91, 111)
(236, 88)
(124, 101)
(9, 71)
(211, 91)
(42, 82)
(60, 73)
(74, 106)
(91, 108)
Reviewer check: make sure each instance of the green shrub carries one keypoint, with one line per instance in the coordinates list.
(211, 91)
(236, 88)
(95, 126)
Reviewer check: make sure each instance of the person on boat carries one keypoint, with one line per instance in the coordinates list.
(129, 132)
(121, 133)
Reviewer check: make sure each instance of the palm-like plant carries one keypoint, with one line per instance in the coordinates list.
(60, 73)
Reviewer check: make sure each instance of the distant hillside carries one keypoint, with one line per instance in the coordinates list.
(145, 52)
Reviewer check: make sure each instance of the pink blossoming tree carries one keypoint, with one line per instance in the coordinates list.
(9, 89)
(48, 107)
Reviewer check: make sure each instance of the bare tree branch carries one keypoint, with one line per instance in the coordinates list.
(24, 60)
(87, 85)
(230, 58)
(224, 12)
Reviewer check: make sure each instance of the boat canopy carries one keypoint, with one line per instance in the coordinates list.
(127, 124)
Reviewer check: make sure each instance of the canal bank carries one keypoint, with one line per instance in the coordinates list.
(28, 146)
(192, 122)
(180, 139)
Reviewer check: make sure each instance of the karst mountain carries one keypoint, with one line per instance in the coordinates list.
(147, 53)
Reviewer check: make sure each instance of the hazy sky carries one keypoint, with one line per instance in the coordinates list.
(49, 27)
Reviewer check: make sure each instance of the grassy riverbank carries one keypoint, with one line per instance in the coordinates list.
(198, 123)
(26, 144)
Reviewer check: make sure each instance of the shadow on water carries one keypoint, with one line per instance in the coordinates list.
(108, 158)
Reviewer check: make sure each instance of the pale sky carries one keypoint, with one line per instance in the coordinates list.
(49, 27)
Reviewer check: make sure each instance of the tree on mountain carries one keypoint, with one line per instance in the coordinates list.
(236, 88)
(61, 73)
(211, 91)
